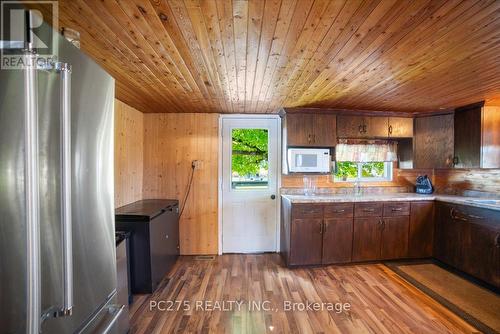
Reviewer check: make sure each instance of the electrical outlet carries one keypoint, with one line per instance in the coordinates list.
(196, 164)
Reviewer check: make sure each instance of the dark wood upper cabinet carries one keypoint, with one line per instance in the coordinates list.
(325, 130)
(299, 129)
(421, 233)
(350, 126)
(400, 127)
(490, 150)
(468, 137)
(376, 127)
(311, 130)
(433, 142)
(477, 139)
(362, 126)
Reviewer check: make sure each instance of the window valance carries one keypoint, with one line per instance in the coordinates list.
(366, 150)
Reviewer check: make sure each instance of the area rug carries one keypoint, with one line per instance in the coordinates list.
(472, 302)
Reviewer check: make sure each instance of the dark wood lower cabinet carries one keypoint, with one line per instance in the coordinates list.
(464, 237)
(306, 241)
(483, 258)
(421, 235)
(448, 245)
(394, 243)
(337, 240)
(367, 238)
(467, 238)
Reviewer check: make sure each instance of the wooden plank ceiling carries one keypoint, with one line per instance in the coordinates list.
(257, 56)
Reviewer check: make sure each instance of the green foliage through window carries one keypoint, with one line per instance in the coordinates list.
(249, 156)
(372, 169)
(348, 170)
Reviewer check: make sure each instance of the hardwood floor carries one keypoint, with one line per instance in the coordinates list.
(380, 301)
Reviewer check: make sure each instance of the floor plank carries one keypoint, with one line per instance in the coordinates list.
(379, 300)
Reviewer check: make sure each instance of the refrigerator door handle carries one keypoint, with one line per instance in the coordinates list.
(32, 191)
(66, 307)
(66, 217)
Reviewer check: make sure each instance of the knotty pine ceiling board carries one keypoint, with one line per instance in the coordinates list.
(257, 56)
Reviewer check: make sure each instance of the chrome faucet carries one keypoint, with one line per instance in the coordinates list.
(357, 187)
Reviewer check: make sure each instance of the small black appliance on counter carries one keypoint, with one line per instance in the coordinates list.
(154, 240)
(424, 185)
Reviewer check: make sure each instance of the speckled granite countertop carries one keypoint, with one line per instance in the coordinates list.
(337, 198)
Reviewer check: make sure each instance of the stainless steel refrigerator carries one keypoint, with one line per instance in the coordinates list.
(57, 242)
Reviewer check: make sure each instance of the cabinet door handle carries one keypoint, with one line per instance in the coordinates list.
(497, 240)
(360, 128)
(309, 138)
(321, 228)
(368, 210)
(453, 215)
(364, 128)
(310, 211)
(390, 129)
(339, 211)
(397, 209)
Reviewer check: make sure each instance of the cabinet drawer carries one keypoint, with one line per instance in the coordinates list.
(372, 209)
(392, 209)
(339, 210)
(307, 211)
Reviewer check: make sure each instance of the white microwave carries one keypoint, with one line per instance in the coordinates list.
(309, 160)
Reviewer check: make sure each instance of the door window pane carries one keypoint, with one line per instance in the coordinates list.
(249, 159)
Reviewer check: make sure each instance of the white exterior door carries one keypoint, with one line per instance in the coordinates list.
(250, 149)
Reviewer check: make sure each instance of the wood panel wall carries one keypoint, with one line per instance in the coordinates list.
(455, 181)
(129, 144)
(171, 143)
(326, 184)
(445, 181)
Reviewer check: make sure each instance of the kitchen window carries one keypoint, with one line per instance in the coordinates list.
(350, 171)
(364, 160)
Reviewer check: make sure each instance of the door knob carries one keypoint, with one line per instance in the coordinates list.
(273, 196)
